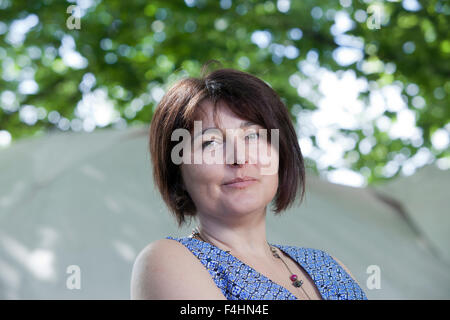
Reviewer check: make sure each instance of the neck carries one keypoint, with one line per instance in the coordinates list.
(244, 236)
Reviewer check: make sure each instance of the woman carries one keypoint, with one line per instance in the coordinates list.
(227, 256)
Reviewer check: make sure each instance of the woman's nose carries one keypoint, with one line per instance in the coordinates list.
(239, 153)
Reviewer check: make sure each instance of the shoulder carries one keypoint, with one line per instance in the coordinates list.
(159, 272)
(342, 265)
(345, 268)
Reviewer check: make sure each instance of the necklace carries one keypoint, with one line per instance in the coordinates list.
(294, 278)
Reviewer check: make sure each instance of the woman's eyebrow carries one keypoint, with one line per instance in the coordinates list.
(245, 124)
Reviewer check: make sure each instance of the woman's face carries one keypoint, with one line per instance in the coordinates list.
(206, 182)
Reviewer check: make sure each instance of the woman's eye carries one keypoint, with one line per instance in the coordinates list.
(254, 135)
(207, 143)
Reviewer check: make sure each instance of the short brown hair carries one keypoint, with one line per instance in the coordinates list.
(249, 98)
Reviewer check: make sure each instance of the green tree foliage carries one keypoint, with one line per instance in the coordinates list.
(133, 48)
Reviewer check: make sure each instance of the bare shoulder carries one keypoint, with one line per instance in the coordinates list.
(166, 269)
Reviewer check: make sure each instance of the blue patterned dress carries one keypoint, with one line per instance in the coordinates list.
(238, 281)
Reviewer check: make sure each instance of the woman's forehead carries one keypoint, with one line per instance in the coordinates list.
(223, 115)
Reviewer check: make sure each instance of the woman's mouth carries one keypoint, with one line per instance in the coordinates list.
(240, 183)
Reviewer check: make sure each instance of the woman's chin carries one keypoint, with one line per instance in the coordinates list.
(241, 207)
